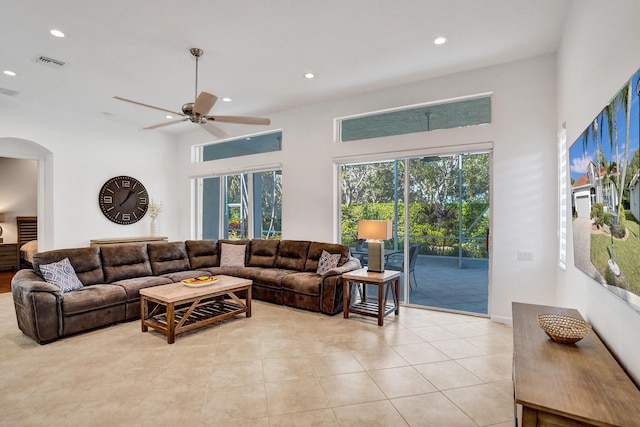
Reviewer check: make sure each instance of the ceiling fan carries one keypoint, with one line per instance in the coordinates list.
(197, 112)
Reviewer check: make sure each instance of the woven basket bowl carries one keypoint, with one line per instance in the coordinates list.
(564, 329)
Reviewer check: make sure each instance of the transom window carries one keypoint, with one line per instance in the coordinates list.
(420, 118)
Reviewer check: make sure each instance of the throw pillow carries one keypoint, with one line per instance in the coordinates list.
(327, 261)
(62, 275)
(232, 255)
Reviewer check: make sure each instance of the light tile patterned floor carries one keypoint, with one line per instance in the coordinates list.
(281, 367)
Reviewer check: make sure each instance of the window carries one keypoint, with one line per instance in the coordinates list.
(251, 144)
(422, 118)
(241, 206)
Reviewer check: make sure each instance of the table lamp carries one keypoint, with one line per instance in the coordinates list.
(1, 220)
(375, 232)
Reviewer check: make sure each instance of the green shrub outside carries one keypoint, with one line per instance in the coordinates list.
(434, 237)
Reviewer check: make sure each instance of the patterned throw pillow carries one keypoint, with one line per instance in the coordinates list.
(327, 261)
(62, 275)
(232, 255)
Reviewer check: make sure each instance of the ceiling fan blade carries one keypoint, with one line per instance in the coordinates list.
(147, 105)
(213, 129)
(172, 122)
(204, 103)
(240, 119)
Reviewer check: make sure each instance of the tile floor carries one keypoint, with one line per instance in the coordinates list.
(281, 367)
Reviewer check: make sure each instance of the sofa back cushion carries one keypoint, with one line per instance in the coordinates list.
(292, 254)
(126, 261)
(203, 253)
(85, 262)
(262, 253)
(168, 257)
(315, 252)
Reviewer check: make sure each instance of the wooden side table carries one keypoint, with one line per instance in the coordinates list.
(376, 307)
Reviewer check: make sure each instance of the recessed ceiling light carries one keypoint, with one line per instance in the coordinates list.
(56, 33)
(440, 40)
(9, 73)
(226, 99)
(168, 116)
(309, 75)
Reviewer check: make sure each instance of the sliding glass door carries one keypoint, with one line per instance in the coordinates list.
(440, 236)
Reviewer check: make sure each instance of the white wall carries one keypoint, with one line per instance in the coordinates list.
(18, 184)
(85, 151)
(598, 54)
(524, 166)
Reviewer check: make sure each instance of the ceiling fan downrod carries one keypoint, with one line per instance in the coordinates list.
(197, 53)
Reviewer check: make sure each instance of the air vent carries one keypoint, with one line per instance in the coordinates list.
(49, 62)
(8, 92)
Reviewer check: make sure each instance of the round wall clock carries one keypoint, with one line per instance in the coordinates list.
(123, 200)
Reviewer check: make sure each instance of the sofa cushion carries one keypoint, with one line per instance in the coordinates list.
(61, 274)
(203, 253)
(125, 261)
(302, 283)
(132, 286)
(327, 261)
(92, 297)
(315, 252)
(86, 263)
(292, 255)
(168, 257)
(271, 277)
(262, 253)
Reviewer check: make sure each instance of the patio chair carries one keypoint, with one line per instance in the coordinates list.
(396, 262)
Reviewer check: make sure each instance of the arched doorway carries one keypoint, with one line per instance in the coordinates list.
(19, 148)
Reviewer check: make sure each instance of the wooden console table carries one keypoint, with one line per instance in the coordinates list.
(568, 385)
(121, 240)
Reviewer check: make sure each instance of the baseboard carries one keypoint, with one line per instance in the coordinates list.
(502, 319)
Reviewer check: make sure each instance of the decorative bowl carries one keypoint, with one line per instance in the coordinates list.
(564, 329)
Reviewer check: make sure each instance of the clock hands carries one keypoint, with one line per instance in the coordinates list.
(127, 198)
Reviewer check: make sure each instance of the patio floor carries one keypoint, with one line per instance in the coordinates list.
(441, 284)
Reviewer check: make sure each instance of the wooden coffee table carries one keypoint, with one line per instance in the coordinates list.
(190, 308)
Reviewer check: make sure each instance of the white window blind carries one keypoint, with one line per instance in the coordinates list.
(562, 199)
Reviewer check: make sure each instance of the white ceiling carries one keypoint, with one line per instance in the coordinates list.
(256, 51)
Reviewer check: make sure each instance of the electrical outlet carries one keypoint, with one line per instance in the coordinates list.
(525, 256)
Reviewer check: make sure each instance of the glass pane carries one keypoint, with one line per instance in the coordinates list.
(449, 223)
(243, 146)
(236, 207)
(372, 191)
(267, 190)
(422, 119)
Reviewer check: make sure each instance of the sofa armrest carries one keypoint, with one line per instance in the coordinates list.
(352, 264)
(25, 281)
(38, 306)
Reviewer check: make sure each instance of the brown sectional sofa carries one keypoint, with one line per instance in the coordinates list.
(283, 272)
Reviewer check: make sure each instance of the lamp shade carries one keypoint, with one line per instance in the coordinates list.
(1, 216)
(375, 229)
